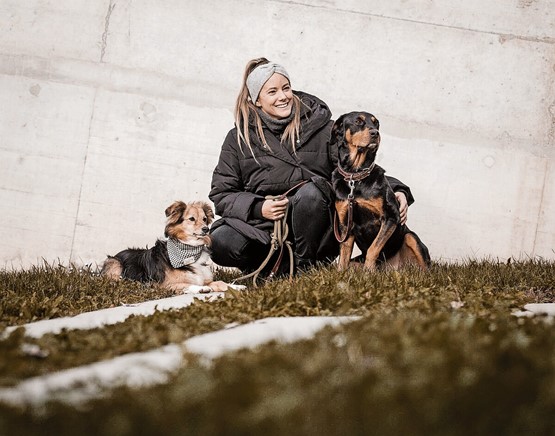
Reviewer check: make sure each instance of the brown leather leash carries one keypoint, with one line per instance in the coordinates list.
(351, 179)
(278, 242)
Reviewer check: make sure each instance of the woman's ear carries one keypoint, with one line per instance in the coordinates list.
(257, 103)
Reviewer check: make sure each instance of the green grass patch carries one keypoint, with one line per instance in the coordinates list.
(479, 288)
(399, 373)
(436, 352)
(52, 291)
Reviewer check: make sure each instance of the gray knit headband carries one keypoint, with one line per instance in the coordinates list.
(260, 75)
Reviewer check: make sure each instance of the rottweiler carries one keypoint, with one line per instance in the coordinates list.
(367, 211)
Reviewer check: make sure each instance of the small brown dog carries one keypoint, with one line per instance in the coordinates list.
(180, 263)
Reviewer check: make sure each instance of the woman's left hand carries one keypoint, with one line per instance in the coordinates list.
(274, 209)
(403, 206)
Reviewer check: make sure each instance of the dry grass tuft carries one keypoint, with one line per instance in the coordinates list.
(435, 352)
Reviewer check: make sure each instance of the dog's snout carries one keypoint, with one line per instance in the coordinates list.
(205, 229)
(374, 133)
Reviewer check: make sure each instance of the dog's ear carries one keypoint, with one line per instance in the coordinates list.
(208, 212)
(337, 130)
(175, 207)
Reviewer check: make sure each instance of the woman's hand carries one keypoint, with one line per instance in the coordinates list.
(403, 206)
(274, 209)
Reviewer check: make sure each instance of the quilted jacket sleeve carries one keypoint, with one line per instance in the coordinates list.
(227, 190)
(399, 186)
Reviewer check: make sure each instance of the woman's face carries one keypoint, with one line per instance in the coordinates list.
(276, 97)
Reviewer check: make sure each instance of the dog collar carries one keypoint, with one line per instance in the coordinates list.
(356, 176)
(181, 254)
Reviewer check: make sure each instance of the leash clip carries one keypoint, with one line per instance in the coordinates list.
(352, 186)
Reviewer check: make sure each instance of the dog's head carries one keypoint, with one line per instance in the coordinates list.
(357, 137)
(189, 222)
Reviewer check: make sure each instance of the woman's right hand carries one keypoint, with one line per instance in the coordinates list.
(274, 209)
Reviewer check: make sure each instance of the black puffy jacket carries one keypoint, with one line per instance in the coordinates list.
(239, 181)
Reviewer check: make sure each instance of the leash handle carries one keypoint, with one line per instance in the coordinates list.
(342, 238)
(279, 239)
(351, 181)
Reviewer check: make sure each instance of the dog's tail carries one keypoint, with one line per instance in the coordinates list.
(112, 268)
(420, 250)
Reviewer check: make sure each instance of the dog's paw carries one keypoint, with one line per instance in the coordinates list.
(237, 287)
(219, 286)
(196, 289)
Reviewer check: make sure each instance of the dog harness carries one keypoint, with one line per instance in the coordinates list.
(351, 179)
(181, 254)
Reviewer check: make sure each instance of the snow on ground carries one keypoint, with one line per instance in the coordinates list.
(113, 315)
(77, 385)
(290, 329)
(533, 309)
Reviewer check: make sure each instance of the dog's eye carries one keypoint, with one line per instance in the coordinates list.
(358, 122)
(192, 218)
(204, 219)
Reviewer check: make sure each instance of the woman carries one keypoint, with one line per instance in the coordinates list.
(280, 139)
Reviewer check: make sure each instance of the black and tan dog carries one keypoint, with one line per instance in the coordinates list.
(367, 211)
(180, 263)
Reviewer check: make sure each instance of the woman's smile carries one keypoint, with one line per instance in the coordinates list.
(276, 96)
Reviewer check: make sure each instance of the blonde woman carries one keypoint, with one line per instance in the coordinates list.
(280, 139)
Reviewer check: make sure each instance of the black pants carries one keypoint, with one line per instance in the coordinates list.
(310, 231)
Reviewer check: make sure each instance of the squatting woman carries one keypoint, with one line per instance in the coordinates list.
(280, 139)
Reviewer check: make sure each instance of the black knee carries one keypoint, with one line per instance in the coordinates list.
(311, 224)
(309, 199)
(231, 249)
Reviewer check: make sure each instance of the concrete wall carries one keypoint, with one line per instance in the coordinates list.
(112, 109)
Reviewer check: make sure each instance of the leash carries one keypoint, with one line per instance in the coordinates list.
(278, 242)
(351, 179)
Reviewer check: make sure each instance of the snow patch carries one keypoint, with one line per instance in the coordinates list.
(534, 309)
(113, 315)
(213, 345)
(77, 385)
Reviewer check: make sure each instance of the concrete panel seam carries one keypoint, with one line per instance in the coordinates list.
(551, 132)
(104, 43)
(78, 208)
(111, 77)
(538, 219)
(502, 36)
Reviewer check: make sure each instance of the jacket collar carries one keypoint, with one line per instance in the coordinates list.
(315, 114)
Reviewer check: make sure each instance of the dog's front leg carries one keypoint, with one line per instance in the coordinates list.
(386, 230)
(347, 241)
(219, 286)
(345, 252)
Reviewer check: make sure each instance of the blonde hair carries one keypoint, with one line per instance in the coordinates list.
(245, 109)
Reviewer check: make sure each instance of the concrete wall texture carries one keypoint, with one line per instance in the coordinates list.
(112, 109)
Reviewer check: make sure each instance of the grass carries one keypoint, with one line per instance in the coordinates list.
(52, 291)
(435, 353)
